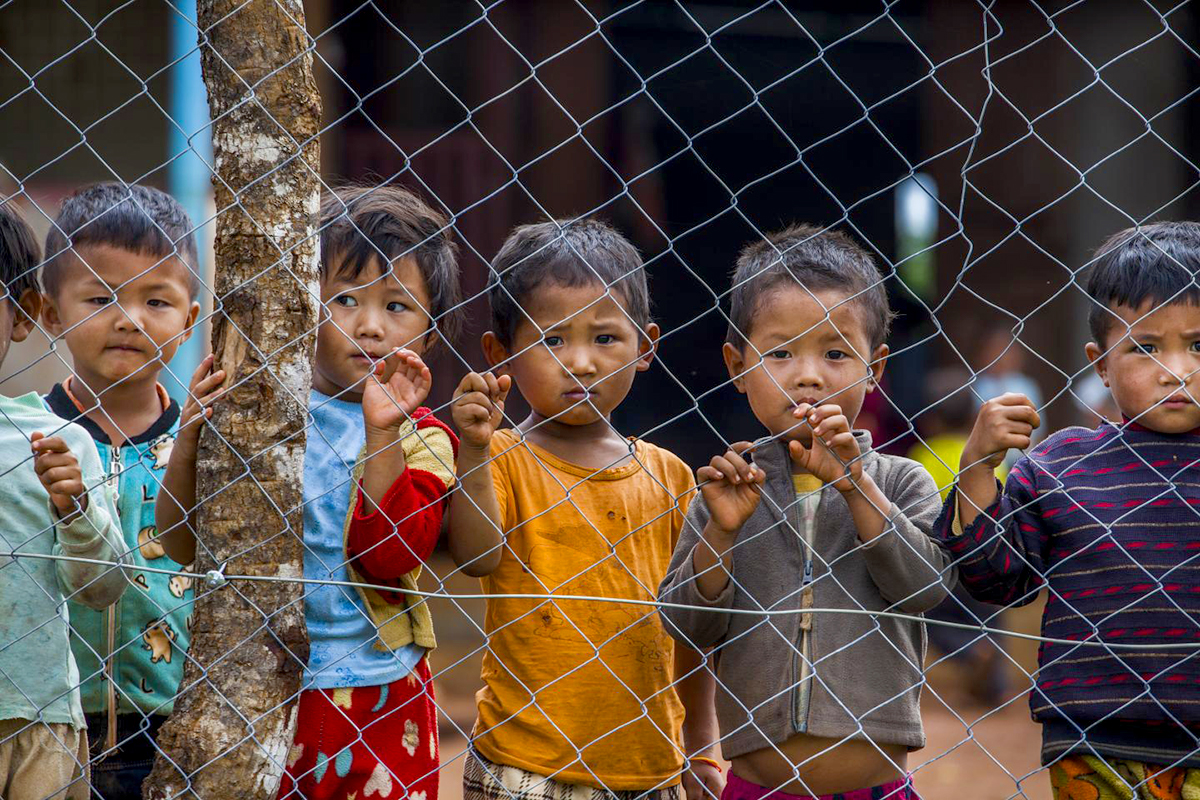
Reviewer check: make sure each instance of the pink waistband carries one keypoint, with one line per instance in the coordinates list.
(739, 789)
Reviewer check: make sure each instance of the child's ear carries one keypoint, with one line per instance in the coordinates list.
(51, 319)
(647, 345)
(735, 362)
(189, 327)
(878, 362)
(494, 352)
(29, 308)
(1098, 359)
(430, 340)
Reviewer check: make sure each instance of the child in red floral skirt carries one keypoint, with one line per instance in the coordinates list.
(388, 725)
(377, 467)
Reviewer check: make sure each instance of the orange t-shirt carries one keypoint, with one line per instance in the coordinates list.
(581, 690)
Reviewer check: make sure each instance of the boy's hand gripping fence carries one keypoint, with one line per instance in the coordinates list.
(980, 152)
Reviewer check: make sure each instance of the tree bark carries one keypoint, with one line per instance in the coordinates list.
(235, 712)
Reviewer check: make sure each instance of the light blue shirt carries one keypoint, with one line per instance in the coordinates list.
(342, 638)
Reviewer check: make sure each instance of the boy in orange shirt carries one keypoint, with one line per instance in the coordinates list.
(580, 698)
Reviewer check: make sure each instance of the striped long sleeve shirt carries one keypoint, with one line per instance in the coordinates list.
(1109, 521)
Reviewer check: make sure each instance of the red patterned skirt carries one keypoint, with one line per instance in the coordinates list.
(368, 742)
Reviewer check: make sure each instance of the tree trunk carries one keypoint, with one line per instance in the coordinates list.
(236, 710)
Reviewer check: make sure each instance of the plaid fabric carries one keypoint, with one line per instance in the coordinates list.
(739, 789)
(484, 780)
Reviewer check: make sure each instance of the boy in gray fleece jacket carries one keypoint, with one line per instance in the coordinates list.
(810, 517)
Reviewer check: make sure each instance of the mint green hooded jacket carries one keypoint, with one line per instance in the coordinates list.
(38, 676)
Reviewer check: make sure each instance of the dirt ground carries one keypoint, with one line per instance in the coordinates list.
(973, 751)
(977, 752)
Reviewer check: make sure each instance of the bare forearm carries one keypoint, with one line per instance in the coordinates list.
(173, 508)
(385, 463)
(697, 691)
(869, 508)
(715, 548)
(976, 491)
(72, 515)
(475, 530)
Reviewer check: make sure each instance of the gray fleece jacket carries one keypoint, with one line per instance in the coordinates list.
(862, 676)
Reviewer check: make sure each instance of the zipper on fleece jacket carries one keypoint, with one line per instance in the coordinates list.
(805, 515)
(804, 693)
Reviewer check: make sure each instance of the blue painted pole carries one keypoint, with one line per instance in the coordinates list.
(188, 175)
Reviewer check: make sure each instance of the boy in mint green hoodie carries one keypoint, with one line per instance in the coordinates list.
(53, 502)
(120, 278)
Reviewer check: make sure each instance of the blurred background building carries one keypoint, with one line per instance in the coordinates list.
(693, 127)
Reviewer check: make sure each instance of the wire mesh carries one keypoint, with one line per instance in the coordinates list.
(978, 152)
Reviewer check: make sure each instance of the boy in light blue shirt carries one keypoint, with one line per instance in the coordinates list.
(53, 503)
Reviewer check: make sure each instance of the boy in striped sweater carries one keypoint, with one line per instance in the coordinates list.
(1109, 520)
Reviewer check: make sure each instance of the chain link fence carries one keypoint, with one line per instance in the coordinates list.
(979, 152)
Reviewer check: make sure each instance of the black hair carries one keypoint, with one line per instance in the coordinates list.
(1154, 264)
(566, 253)
(19, 253)
(139, 219)
(816, 259)
(362, 223)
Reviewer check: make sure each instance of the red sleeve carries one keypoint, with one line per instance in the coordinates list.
(425, 419)
(392, 541)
